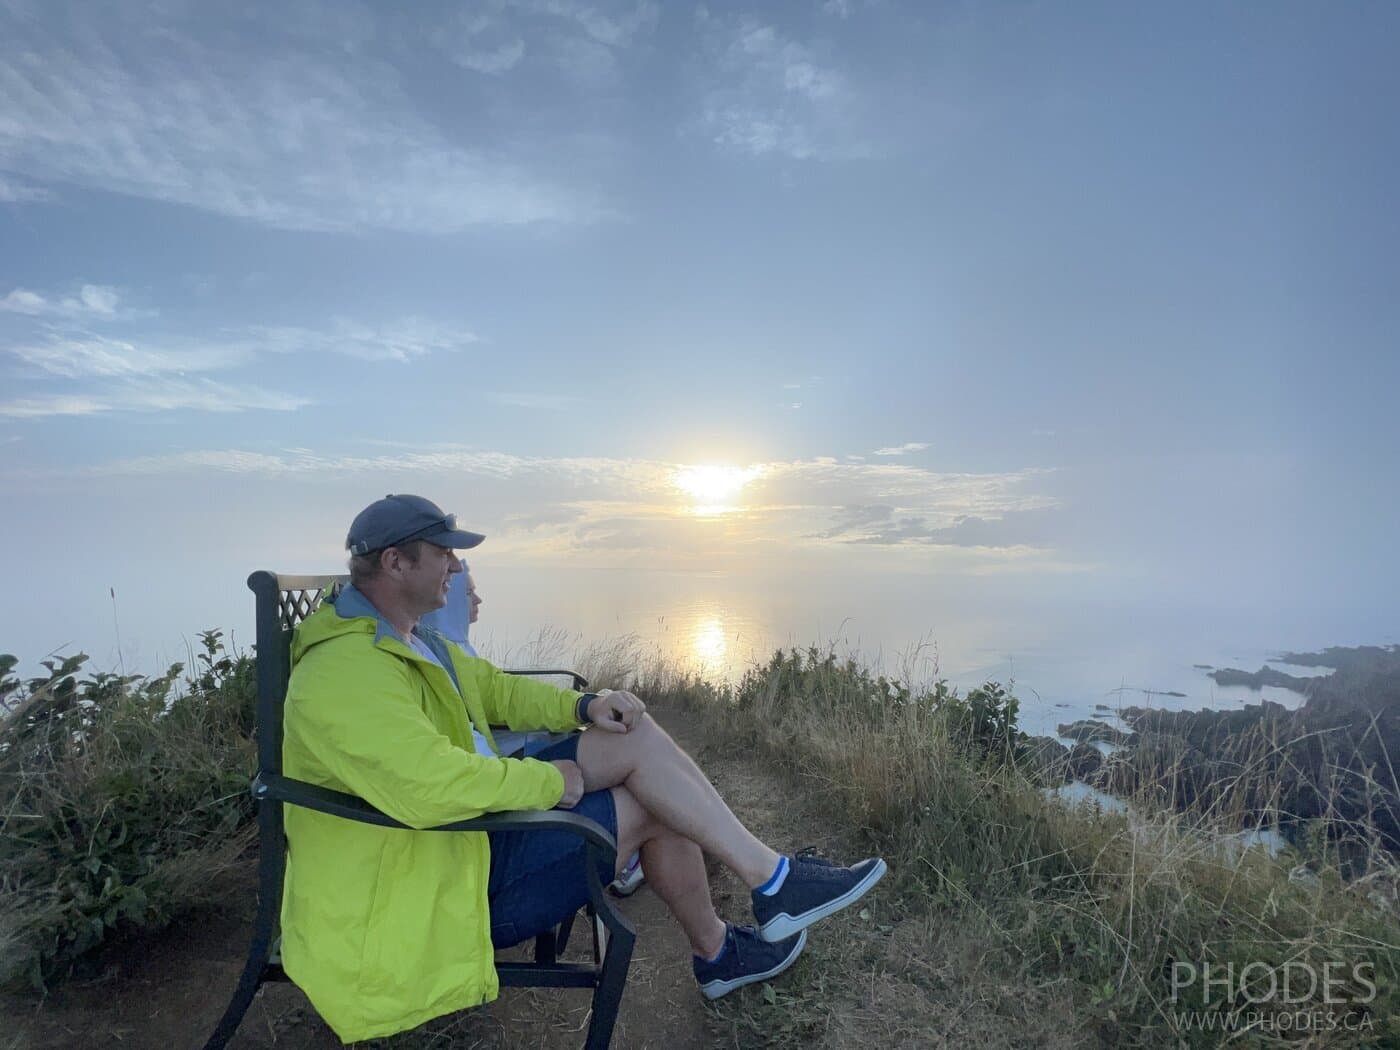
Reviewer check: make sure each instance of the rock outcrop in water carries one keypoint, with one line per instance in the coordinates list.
(1087, 730)
(1336, 755)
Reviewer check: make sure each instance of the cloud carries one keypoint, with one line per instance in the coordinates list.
(616, 30)
(858, 517)
(900, 450)
(274, 127)
(405, 340)
(480, 42)
(621, 505)
(93, 301)
(154, 396)
(530, 400)
(76, 355)
(578, 39)
(81, 356)
(766, 94)
(883, 525)
(14, 192)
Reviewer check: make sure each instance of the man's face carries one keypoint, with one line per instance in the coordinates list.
(473, 600)
(425, 584)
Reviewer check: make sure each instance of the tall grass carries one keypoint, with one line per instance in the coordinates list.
(1115, 903)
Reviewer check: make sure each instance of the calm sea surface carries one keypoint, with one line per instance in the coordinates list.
(1065, 654)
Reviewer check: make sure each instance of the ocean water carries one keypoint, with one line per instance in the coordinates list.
(1067, 658)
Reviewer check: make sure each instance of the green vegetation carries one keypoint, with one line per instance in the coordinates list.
(126, 804)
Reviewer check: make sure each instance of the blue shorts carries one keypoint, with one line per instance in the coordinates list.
(538, 878)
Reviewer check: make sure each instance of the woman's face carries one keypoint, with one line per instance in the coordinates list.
(473, 599)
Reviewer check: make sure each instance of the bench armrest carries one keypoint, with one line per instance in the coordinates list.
(276, 788)
(580, 682)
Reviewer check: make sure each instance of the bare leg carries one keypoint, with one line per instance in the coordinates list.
(671, 788)
(675, 869)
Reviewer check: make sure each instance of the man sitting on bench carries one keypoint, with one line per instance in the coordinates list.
(385, 929)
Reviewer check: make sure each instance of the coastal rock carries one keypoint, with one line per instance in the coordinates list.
(1331, 759)
(1085, 761)
(1045, 760)
(1088, 729)
(1262, 677)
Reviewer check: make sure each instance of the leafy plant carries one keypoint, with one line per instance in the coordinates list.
(126, 801)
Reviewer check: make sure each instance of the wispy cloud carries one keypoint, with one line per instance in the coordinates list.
(77, 355)
(533, 400)
(581, 40)
(634, 504)
(768, 94)
(13, 192)
(480, 42)
(93, 301)
(81, 356)
(901, 450)
(405, 340)
(887, 526)
(154, 396)
(273, 127)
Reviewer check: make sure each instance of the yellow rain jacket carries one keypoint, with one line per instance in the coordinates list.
(384, 928)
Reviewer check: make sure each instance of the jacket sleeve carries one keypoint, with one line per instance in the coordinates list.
(516, 701)
(363, 725)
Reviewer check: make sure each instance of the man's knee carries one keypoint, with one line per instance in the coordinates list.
(648, 735)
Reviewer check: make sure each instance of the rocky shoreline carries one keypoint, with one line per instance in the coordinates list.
(1334, 757)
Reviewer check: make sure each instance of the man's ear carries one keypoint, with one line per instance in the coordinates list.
(390, 559)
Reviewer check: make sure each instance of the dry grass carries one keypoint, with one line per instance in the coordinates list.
(1019, 920)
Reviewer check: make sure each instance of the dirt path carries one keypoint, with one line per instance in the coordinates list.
(168, 991)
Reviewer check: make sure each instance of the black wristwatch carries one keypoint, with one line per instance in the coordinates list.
(581, 708)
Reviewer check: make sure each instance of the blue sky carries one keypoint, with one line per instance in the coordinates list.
(1095, 298)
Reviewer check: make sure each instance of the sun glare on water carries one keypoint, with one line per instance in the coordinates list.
(713, 489)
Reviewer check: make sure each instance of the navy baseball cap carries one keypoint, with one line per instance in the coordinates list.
(398, 519)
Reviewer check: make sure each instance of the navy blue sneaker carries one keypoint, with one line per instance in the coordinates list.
(812, 890)
(745, 960)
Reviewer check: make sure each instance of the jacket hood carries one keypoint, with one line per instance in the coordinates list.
(348, 612)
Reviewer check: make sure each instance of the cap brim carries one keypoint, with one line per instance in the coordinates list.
(456, 539)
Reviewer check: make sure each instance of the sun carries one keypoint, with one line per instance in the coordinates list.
(713, 489)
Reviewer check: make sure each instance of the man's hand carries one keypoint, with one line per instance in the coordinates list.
(616, 710)
(573, 783)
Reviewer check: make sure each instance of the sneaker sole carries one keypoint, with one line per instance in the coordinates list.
(625, 889)
(783, 925)
(718, 989)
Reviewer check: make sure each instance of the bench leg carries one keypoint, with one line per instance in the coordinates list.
(613, 940)
(270, 865)
(607, 997)
(565, 928)
(546, 948)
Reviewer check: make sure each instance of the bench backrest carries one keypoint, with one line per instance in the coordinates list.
(283, 601)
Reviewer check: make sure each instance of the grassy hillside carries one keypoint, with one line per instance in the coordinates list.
(126, 805)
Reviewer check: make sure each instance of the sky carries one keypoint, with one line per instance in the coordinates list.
(1043, 307)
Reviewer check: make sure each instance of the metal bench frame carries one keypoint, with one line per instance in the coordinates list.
(282, 603)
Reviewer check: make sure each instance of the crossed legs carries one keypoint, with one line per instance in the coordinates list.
(667, 808)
